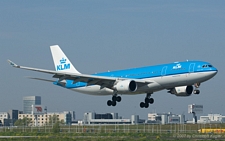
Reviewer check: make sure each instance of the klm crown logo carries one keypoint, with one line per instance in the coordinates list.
(63, 65)
(178, 66)
(62, 61)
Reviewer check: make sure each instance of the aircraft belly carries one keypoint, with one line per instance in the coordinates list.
(199, 77)
(172, 80)
(94, 90)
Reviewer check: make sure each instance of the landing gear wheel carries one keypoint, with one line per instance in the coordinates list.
(109, 103)
(113, 103)
(147, 100)
(146, 105)
(114, 98)
(196, 91)
(142, 104)
(118, 98)
(151, 100)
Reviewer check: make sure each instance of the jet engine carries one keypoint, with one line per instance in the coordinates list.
(182, 91)
(126, 86)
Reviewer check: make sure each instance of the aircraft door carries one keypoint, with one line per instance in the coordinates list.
(163, 73)
(191, 67)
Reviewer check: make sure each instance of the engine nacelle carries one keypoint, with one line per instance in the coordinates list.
(126, 86)
(182, 91)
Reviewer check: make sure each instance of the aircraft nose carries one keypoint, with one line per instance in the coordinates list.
(214, 72)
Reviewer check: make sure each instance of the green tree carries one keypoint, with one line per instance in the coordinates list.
(23, 122)
(56, 128)
(62, 122)
(18, 122)
(53, 119)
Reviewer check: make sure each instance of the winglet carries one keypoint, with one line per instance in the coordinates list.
(13, 64)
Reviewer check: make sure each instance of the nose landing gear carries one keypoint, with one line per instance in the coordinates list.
(196, 91)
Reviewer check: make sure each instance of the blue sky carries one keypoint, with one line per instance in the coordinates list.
(109, 35)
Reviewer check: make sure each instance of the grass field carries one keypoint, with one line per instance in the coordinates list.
(112, 132)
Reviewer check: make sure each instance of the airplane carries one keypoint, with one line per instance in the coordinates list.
(179, 78)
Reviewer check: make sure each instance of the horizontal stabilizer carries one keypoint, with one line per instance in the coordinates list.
(41, 79)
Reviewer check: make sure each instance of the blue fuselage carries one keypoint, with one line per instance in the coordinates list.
(176, 68)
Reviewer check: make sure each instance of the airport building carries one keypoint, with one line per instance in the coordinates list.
(108, 118)
(28, 101)
(165, 118)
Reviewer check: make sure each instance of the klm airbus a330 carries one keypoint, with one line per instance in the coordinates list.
(178, 78)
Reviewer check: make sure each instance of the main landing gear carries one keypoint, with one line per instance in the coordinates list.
(196, 91)
(147, 101)
(115, 99)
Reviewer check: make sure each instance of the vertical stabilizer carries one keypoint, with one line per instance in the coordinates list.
(62, 63)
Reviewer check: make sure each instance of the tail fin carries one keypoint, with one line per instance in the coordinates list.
(62, 63)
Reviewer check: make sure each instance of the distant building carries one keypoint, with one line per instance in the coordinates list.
(73, 115)
(212, 118)
(28, 101)
(47, 119)
(4, 119)
(67, 117)
(134, 119)
(13, 116)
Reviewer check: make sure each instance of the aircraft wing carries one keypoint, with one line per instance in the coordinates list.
(103, 81)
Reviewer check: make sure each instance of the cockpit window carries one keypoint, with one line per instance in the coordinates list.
(206, 66)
